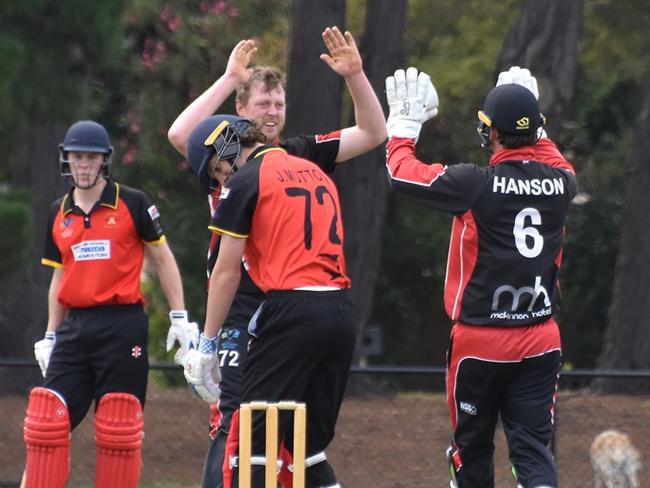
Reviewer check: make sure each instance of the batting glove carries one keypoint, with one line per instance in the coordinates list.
(201, 369)
(43, 351)
(186, 333)
(412, 100)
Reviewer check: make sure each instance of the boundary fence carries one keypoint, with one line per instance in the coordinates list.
(371, 404)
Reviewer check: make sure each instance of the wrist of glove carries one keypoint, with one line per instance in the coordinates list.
(178, 315)
(202, 371)
(43, 351)
(186, 333)
(412, 100)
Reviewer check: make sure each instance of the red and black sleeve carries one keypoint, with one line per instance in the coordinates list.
(145, 214)
(451, 189)
(320, 149)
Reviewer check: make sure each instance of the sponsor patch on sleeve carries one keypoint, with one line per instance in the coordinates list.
(153, 212)
(330, 136)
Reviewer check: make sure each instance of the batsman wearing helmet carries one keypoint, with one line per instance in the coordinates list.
(95, 345)
(260, 97)
(280, 216)
(501, 288)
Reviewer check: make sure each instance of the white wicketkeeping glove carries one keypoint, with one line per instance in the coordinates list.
(519, 76)
(201, 369)
(431, 98)
(43, 350)
(412, 100)
(186, 333)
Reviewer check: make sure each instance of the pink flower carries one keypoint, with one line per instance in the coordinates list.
(130, 155)
(135, 121)
(218, 7)
(153, 53)
(171, 21)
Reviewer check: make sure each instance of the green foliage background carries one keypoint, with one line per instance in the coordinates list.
(135, 65)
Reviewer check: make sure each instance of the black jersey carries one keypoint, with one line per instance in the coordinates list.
(506, 242)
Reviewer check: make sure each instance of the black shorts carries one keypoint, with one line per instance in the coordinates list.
(99, 350)
(302, 351)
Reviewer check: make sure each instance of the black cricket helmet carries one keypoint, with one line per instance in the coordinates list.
(85, 136)
(512, 109)
(219, 134)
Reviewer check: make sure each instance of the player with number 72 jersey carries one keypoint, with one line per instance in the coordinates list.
(295, 256)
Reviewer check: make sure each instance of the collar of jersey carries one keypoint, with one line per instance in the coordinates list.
(110, 197)
(260, 151)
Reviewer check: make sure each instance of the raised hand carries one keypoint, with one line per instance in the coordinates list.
(519, 76)
(240, 58)
(412, 100)
(343, 58)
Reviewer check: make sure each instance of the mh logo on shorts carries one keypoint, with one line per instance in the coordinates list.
(136, 351)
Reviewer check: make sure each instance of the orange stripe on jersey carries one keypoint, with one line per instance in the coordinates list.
(227, 232)
(49, 262)
(157, 242)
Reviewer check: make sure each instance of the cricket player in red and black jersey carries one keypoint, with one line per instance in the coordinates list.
(280, 215)
(504, 260)
(260, 96)
(95, 347)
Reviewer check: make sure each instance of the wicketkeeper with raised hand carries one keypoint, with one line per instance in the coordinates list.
(501, 288)
(95, 345)
(260, 97)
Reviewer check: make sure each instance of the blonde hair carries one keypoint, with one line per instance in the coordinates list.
(269, 76)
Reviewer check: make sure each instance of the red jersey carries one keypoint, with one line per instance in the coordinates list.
(321, 149)
(288, 210)
(101, 252)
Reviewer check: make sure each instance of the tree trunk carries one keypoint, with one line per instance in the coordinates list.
(23, 295)
(626, 339)
(313, 89)
(544, 39)
(363, 182)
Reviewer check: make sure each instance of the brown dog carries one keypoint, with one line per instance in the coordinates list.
(615, 461)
